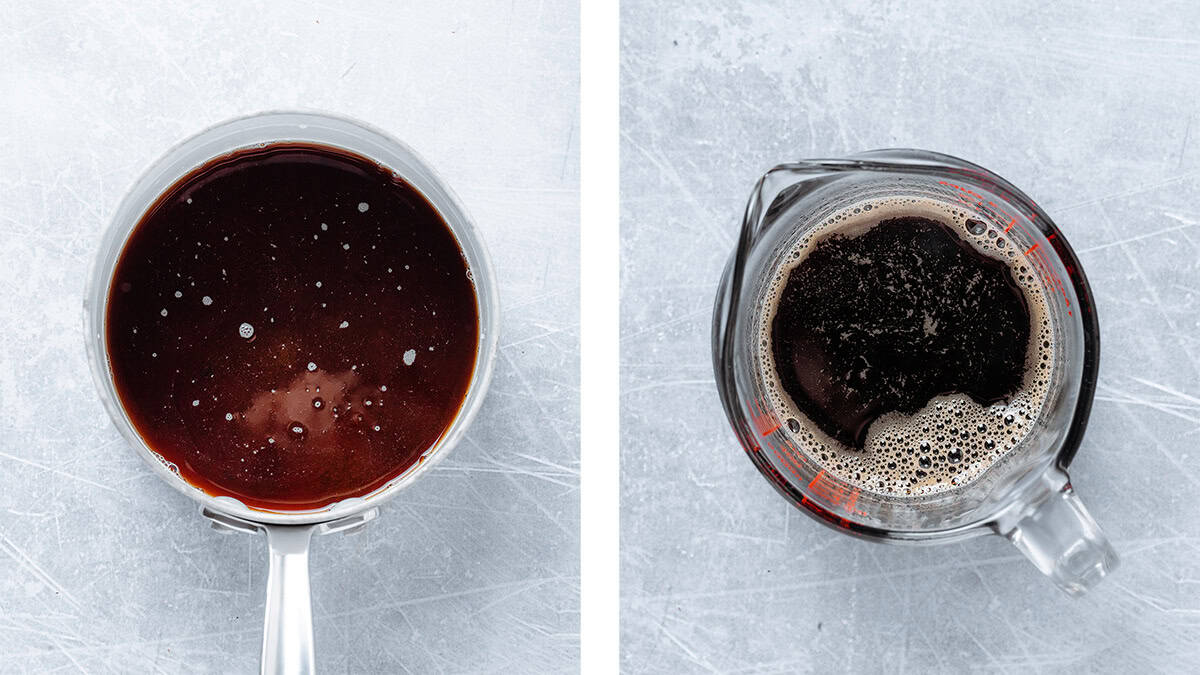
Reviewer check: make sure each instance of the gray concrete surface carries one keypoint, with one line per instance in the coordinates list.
(1091, 110)
(104, 568)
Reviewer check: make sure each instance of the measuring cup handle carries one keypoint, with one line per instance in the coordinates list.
(287, 628)
(1059, 536)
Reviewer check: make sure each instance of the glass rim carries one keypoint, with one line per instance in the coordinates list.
(258, 130)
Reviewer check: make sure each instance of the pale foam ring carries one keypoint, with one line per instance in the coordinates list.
(952, 440)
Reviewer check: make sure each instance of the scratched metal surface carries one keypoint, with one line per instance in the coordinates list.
(104, 568)
(1092, 112)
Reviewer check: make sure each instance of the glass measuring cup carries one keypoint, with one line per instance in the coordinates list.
(1026, 495)
(287, 634)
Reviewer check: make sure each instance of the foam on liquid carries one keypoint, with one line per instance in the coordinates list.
(952, 440)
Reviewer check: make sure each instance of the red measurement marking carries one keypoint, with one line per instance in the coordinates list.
(1031, 248)
(787, 465)
(764, 422)
(990, 209)
(835, 493)
(1057, 282)
(765, 427)
(794, 452)
(791, 459)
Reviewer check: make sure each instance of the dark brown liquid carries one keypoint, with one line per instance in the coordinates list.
(884, 321)
(291, 325)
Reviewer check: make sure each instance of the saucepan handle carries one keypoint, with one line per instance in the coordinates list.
(287, 628)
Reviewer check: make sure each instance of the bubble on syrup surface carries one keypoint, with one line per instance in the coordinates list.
(297, 431)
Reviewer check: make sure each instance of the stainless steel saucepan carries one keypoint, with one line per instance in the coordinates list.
(287, 630)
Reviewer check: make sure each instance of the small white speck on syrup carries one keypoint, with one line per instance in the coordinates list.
(346, 246)
(362, 207)
(164, 311)
(312, 366)
(383, 387)
(324, 226)
(228, 417)
(318, 284)
(343, 324)
(410, 356)
(246, 331)
(206, 301)
(189, 200)
(195, 402)
(179, 294)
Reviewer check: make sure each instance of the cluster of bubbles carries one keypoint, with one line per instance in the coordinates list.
(953, 440)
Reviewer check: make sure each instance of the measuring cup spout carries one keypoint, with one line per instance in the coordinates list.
(1059, 536)
(287, 628)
